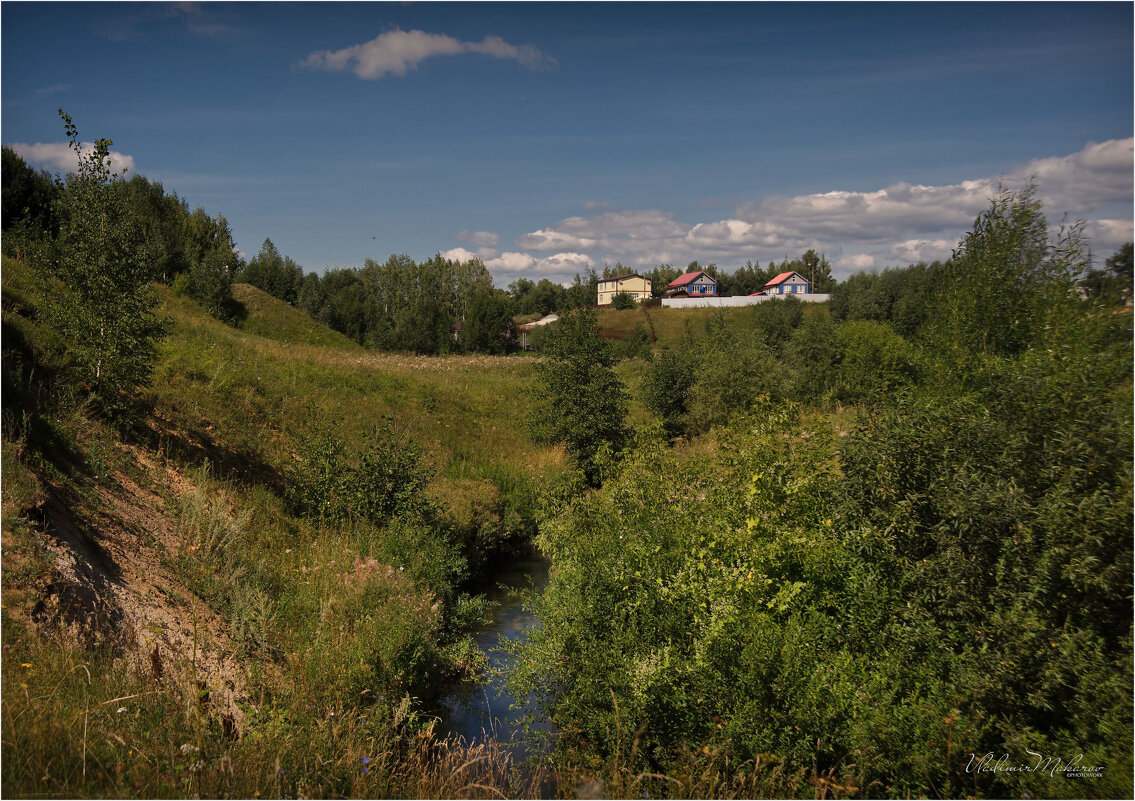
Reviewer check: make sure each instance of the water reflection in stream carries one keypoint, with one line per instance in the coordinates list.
(482, 711)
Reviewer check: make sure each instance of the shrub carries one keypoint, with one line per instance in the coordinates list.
(623, 300)
(583, 404)
(666, 387)
(385, 478)
(734, 368)
(636, 344)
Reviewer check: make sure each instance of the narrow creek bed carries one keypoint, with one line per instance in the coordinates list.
(481, 712)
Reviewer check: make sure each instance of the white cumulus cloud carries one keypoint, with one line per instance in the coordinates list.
(395, 52)
(459, 254)
(510, 263)
(856, 261)
(60, 156)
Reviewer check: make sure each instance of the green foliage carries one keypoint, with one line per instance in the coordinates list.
(488, 325)
(735, 366)
(623, 300)
(666, 387)
(103, 303)
(313, 299)
(1113, 284)
(274, 273)
(401, 305)
(636, 344)
(871, 361)
(817, 270)
(683, 589)
(1006, 285)
(776, 319)
(539, 298)
(383, 479)
(28, 204)
(899, 296)
(811, 354)
(954, 580)
(582, 402)
(210, 284)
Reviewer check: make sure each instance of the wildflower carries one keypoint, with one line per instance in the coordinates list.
(280, 772)
(25, 664)
(121, 709)
(366, 761)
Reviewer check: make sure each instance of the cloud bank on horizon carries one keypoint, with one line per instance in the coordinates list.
(899, 224)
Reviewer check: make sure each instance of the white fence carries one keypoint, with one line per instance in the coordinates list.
(740, 300)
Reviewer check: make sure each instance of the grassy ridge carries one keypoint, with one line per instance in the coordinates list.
(270, 318)
(262, 394)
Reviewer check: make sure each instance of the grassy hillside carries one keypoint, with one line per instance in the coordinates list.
(670, 324)
(222, 622)
(273, 319)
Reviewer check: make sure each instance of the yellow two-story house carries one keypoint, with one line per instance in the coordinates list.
(633, 284)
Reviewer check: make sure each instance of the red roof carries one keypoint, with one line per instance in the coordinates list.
(685, 278)
(755, 294)
(781, 278)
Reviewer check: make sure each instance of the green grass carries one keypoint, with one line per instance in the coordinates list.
(275, 320)
(671, 324)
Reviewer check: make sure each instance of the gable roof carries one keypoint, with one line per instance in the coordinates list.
(621, 277)
(687, 278)
(780, 279)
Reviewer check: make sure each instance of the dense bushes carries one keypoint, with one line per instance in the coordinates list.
(952, 580)
(581, 401)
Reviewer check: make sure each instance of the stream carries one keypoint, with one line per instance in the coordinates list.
(480, 712)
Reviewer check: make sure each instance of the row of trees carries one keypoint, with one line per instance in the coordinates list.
(868, 613)
(434, 306)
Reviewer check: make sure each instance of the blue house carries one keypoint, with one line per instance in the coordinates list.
(789, 283)
(695, 284)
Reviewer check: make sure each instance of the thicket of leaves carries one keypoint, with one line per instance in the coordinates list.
(580, 400)
(951, 579)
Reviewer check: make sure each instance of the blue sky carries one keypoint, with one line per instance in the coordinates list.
(545, 137)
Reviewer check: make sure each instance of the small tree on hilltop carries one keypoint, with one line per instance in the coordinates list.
(584, 404)
(104, 305)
